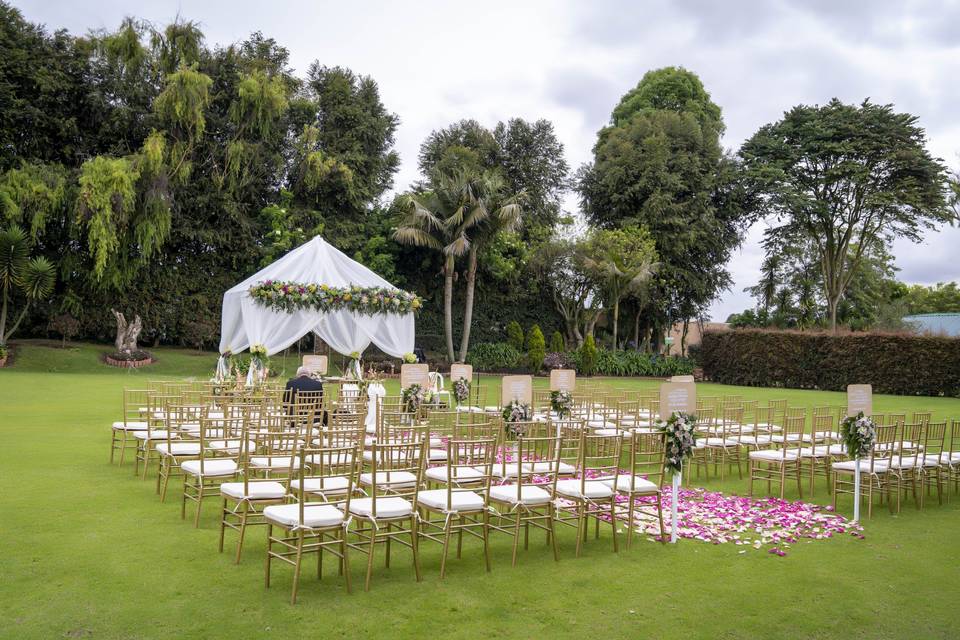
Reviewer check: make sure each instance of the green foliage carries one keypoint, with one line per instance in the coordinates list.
(495, 356)
(536, 348)
(631, 363)
(515, 335)
(105, 205)
(811, 360)
(33, 194)
(866, 161)
(30, 278)
(556, 343)
(587, 356)
(940, 298)
(670, 89)
(182, 102)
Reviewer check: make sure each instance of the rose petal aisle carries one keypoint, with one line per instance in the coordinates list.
(711, 516)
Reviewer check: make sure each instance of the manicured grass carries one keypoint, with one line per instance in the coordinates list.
(87, 550)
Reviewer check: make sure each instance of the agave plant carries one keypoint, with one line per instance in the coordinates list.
(21, 277)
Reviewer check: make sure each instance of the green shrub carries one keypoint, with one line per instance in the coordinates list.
(587, 361)
(536, 348)
(556, 343)
(515, 335)
(494, 356)
(638, 363)
(892, 363)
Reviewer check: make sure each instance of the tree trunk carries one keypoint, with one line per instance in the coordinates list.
(3, 319)
(127, 332)
(683, 337)
(616, 319)
(448, 305)
(833, 303)
(468, 303)
(636, 330)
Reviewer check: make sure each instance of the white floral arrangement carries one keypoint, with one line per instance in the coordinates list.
(561, 402)
(513, 413)
(413, 397)
(680, 433)
(859, 433)
(461, 390)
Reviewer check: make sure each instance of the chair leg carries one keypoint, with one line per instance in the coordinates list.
(344, 551)
(113, 443)
(296, 567)
(749, 490)
(414, 548)
(266, 571)
(486, 539)
(446, 546)
(613, 524)
(223, 523)
(243, 530)
(516, 537)
(663, 531)
(370, 551)
(551, 511)
(581, 528)
(630, 510)
(196, 518)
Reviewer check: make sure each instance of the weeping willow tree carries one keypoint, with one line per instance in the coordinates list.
(180, 108)
(32, 195)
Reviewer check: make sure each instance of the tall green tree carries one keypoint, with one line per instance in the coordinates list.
(21, 276)
(845, 177)
(623, 261)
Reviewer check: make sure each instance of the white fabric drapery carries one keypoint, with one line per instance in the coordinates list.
(246, 323)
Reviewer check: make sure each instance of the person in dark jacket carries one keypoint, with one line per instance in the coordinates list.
(302, 382)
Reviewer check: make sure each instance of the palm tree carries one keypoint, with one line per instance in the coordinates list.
(31, 277)
(501, 213)
(443, 219)
(623, 262)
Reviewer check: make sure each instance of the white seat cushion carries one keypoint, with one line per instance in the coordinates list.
(179, 448)
(821, 450)
(529, 494)
(332, 484)
(640, 485)
(437, 455)
(823, 435)
(390, 479)
(387, 507)
(130, 425)
(592, 489)
(564, 469)
(315, 516)
(717, 442)
(461, 500)
(773, 455)
(211, 468)
(791, 437)
(849, 466)
(273, 462)
(231, 446)
(156, 434)
(255, 490)
(909, 462)
(461, 474)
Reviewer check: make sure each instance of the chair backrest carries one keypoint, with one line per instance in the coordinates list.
(537, 462)
(646, 457)
(884, 446)
(328, 472)
(896, 418)
(793, 428)
(934, 441)
(954, 442)
(921, 417)
(391, 462)
(135, 405)
(823, 428)
(465, 458)
(599, 458)
(436, 381)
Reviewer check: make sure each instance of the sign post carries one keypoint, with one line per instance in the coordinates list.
(859, 400)
(674, 397)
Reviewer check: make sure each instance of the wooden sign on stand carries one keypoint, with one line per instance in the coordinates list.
(516, 388)
(411, 374)
(859, 398)
(681, 379)
(316, 364)
(459, 370)
(677, 396)
(563, 380)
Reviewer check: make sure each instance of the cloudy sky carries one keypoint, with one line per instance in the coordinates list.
(569, 62)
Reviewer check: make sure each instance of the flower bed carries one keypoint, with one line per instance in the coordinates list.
(132, 360)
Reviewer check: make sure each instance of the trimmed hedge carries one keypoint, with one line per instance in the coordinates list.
(892, 363)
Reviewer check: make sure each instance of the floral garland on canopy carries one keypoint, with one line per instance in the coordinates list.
(288, 297)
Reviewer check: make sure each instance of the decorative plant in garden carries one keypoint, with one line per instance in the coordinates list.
(680, 430)
(413, 397)
(561, 402)
(461, 390)
(21, 277)
(858, 434)
(513, 413)
(295, 296)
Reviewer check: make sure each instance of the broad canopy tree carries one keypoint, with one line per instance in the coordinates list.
(846, 179)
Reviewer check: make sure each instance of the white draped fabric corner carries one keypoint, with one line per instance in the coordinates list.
(245, 323)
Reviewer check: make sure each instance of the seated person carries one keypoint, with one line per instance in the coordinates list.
(302, 382)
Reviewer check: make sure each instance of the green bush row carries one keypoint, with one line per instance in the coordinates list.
(897, 364)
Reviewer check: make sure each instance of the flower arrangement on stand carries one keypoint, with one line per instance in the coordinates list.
(413, 398)
(858, 434)
(259, 363)
(461, 390)
(561, 403)
(288, 297)
(354, 370)
(409, 358)
(680, 431)
(514, 413)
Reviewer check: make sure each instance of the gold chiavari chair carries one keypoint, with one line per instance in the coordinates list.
(799, 416)
(134, 407)
(203, 475)
(952, 456)
(591, 494)
(930, 463)
(463, 501)
(277, 438)
(722, 443)
(645, 464)
(307, 524)
(706, 420)
(896, 418)
(156, 417)
(244, 501)
(906, 461)
(529, 498)
(775, 464)
(874, 469)
(179, 445)
(921, 417)
(818, 457)
(389, 513)
(442, 423)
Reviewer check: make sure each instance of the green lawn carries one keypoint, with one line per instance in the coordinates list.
(87, 550)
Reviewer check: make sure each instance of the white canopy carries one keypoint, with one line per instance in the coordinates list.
(245, 322)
